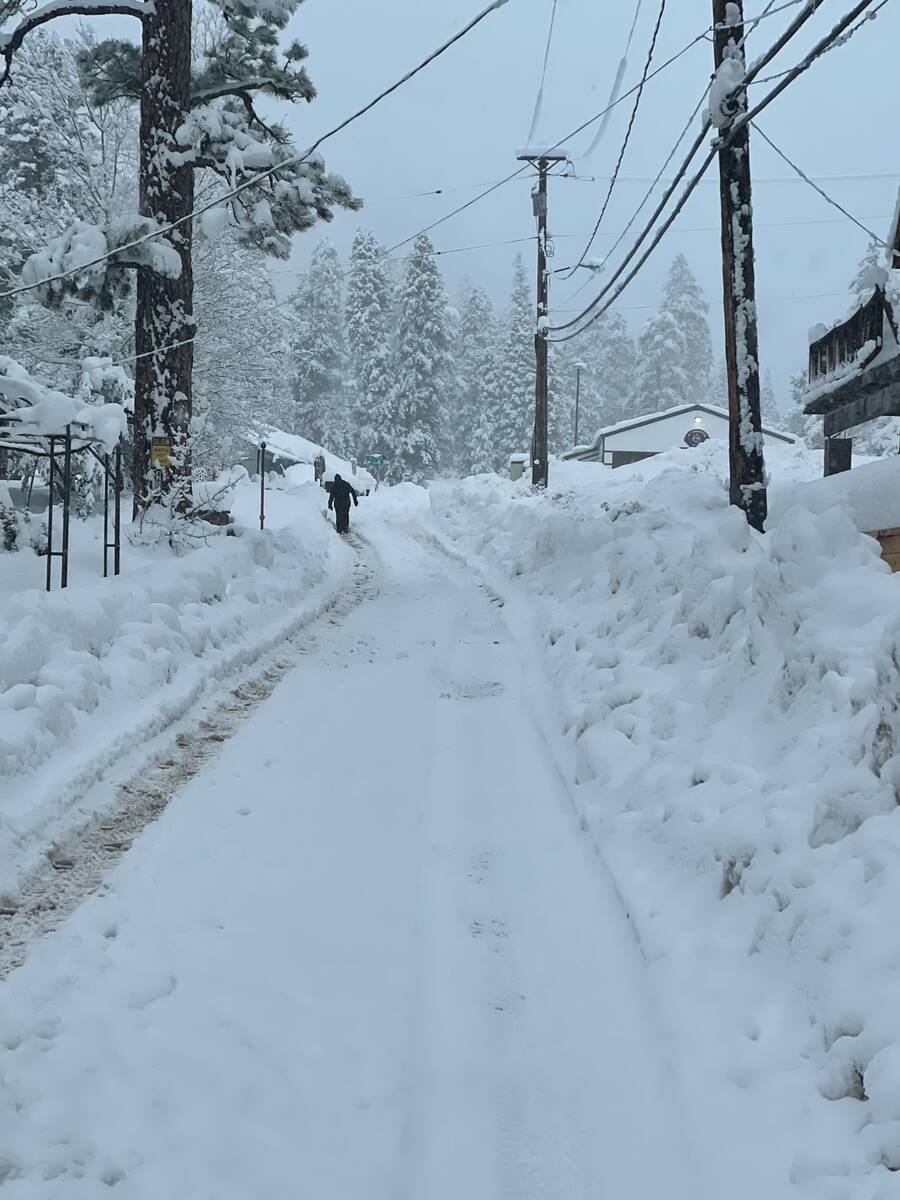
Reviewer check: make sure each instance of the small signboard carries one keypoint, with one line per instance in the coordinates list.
(161, 453)
(374, 460)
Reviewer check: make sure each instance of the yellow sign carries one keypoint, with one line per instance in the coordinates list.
(161, 453)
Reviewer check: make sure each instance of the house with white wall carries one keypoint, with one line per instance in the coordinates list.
(686, 425)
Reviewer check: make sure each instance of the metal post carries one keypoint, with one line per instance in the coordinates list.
(262, 485)
(117, 520)
(748, 486)
(577, 398)
(106, 516)
(67, 489)
(50, 513)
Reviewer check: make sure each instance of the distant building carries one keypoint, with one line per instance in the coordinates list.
(286, 450)
(641, 437)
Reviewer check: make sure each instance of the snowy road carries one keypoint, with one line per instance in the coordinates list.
(366, 954)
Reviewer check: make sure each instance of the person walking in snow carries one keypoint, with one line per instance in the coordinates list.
(339, 500)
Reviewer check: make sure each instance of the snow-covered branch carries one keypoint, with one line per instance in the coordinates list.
(77, 261)
(29, 406)
(239, 87)
(11, 40)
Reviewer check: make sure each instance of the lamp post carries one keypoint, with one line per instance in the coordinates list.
(261, 460)
(579, 367)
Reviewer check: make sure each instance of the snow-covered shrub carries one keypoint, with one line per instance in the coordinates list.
(9, 522)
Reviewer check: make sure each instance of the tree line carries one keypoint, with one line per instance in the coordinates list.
(369, 355)
(385, 360)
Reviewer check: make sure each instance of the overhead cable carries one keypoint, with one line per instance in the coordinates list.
(634, 112)
(810, 6)
(794, 27)
(818, 50)
(539, 100)
(821, 191)
(617, 82)
(257, 178)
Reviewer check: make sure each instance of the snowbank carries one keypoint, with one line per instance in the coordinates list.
(869, 495)
(730, 713)
(89, 672)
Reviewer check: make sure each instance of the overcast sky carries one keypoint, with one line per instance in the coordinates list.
(462, 122)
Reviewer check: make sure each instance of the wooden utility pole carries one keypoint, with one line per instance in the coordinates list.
(748, 487)
(542, 159)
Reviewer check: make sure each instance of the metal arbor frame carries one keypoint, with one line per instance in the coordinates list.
(64, 445)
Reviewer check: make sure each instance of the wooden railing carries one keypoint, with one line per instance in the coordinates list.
(842, 344)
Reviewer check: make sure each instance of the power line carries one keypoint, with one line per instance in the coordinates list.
(760, 300)
(869, 16)
(617, 82)
(818, 50)
(634, 112)
(854, 177)
(821, 191)
(768, 11)
(810, 7)
(261, 175)
(539, 99)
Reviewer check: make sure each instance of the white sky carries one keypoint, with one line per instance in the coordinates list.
(462, 122)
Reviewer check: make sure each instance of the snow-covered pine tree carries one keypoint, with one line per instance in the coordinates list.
(414, 434)
(768, 403)
(194, 115)
(476, 353)
(683, 300)
(514, 424)
(609, 355)
(368, 315)
(321, 410)
(451, 395)
(661, 380)
(561, 397)
(61, 156)
(809, 428)
(871, 271)
(242, 354)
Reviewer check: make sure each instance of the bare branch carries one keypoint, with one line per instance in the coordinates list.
(10, 42)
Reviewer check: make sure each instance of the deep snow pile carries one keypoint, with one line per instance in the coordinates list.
(730, 706)
(90, 672)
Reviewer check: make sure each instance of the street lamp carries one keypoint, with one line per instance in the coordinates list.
(579, 367)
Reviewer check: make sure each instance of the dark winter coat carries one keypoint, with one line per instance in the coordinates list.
(341, 491)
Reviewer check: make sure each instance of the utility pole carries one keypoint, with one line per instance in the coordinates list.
(748, 487)
(543, 160)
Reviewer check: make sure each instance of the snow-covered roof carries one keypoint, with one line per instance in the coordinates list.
(665, 414)
(290, 446)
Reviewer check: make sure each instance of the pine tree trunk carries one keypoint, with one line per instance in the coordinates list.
(162, 462)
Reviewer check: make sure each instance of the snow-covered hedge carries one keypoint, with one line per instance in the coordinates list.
(730, 704)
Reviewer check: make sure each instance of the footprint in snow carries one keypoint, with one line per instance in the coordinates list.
(472, 690)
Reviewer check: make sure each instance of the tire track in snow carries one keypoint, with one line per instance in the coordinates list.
(77, 863)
